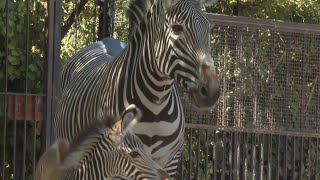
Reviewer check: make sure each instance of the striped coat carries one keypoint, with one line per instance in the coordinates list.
(107, 149)
(170, 45)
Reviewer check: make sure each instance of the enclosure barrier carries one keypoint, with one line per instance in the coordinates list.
(265, 126)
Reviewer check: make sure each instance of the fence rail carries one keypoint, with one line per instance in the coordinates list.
(247, 22)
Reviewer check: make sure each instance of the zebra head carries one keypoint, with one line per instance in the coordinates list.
(114, 151)
(184, 53)
(131, 144)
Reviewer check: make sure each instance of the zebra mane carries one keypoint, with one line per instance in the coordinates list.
(84, 140)
(136, 11)
(138, 8)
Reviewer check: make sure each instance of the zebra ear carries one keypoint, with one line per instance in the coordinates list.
(130, 117)
(51, 159)
(207, 2)
(63, 148)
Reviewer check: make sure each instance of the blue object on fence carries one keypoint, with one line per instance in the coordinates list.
(113, 46)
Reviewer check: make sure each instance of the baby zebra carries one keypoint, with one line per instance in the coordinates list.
(105, 150)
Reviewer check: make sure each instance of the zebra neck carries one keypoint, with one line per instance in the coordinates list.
(143, 80)
(145, 84)
(86, 143)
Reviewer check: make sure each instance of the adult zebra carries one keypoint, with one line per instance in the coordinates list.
(106, 149)
(170, 44)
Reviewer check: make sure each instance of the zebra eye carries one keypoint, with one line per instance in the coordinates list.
(177, 29)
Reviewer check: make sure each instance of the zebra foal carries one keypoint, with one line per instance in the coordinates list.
(169, 46)
(105, 150)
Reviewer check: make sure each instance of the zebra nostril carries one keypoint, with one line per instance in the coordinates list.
(204, 91)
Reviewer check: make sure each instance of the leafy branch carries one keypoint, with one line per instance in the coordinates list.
(71, 19)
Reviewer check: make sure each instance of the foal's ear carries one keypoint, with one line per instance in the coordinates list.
(51, 159)
(207, 2)
(130, 117)
(63, 148)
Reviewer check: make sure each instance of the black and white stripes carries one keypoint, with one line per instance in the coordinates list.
(169, 45)
(107, 149)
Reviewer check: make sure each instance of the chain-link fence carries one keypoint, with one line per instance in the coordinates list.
(269, 75)
(266, 124)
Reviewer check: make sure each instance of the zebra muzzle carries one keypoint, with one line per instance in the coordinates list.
(207, 91)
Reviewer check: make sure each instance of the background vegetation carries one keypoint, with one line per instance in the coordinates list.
(25, 28)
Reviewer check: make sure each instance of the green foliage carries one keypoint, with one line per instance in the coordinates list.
(121, 21)
(22, 45)
(294, 10)
(20, 49)
(81, 33)
(307, 11)
(2, 3)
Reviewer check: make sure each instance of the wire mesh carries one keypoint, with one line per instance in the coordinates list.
(269, 74)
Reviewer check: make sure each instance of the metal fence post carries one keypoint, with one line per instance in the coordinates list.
(54, 31)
